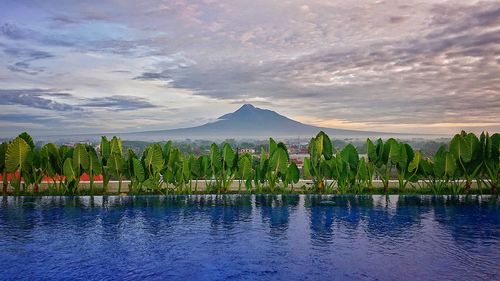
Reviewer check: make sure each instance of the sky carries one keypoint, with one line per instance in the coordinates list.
(428, 66)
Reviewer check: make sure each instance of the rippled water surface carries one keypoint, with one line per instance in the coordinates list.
(250, 237)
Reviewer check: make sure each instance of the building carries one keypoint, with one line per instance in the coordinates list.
(298, 159)
(247, 150)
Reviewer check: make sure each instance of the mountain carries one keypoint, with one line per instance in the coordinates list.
(252, 123)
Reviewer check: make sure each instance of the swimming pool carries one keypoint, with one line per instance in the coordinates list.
(250, 237)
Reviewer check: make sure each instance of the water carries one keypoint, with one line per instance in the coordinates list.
(250, 237)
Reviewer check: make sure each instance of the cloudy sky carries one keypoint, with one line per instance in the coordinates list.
(113, 66)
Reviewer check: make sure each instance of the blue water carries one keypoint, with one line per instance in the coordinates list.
(250, 237)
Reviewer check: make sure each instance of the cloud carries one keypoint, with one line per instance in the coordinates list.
(119, 103)
(26, 57)
(63, 20)
(79, 36)
(433, 76)
(27, 53)
(37, 98)
(48, 99)
(15, 32)
(397, 19)
(448, 19)
(151, 76)
(362, 62)
(27, 118)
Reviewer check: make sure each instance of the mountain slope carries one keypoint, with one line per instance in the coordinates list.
(251, 122)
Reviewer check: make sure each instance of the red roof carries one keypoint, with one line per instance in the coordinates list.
(84, 177)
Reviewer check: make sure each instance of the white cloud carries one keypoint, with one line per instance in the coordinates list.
(427, 65)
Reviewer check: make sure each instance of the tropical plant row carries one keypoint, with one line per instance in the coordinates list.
(163, 168)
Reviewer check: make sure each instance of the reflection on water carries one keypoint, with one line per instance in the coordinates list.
(275, 210)
(250, 237)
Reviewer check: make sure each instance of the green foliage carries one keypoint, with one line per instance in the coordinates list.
(345, 168)
(490, 155)
(80, 159)
(69, 172)
(320, 150)
(279, 161)
(466, 150)
(138, 169)
(244, 172)
(3, 150)
(382, 157)
(17, 155)
(28, 139)
(163, 168)
(227, 156)
(277, 166)
(94, 166)
(3, 169)
(292, 174)
(154, 159)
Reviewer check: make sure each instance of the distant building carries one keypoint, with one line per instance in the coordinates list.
(298, 159)
(247, 150)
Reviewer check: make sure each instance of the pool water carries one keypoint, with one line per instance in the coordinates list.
(250, 237)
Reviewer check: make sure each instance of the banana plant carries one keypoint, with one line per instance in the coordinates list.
(116, 146)
(344, 168)
(413, 174)
(278, 164)
(440, 171)
(105, 153)
(466, 150)
(45, 168)
(426, 170)
(135, 172)
(245, 171)
(16, 161)
(222, 167)
(468, 158)
(406, 162)
(54, 166)
(205, 169)
(184, 178)
(215, 167)
(172, 173)
(36, 168)
(153, 166)
(292, 175)
(69, 174)
(68, 184)
(380, 155)
(167, 147)
(195, 172)
(3, 169)
(112, 161)
(32, 175)
(227, 176)
(116, 168)
(363, 176)
(491, 161)
(259, 178)
(181, 176)
(320, 149)
(80, 163)
(94, 166)
(28, 139)
(139, 175)
(350, 156)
